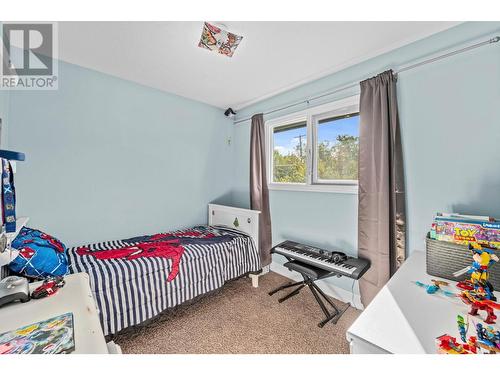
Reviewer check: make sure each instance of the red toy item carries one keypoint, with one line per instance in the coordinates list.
(476, 301)
(448, 345)
(465, 285)
(477, 291)
(487, 340)
(49, 287)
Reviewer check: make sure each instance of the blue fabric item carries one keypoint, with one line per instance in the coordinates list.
(40, 255)
(8, 197)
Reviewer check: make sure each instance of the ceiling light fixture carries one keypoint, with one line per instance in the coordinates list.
(218, 40)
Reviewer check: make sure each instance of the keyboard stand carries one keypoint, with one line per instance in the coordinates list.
(311, 274)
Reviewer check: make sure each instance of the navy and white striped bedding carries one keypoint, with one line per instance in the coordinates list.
(128, 292)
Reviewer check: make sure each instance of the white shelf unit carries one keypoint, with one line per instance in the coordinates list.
(8, 254)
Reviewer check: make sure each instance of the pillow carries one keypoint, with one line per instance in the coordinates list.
(40, 255)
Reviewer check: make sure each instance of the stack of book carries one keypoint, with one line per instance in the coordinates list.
(466, 229)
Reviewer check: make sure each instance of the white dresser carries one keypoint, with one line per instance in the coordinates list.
(403, 318)
(74, 297)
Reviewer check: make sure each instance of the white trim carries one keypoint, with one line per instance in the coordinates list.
(232, 209)
(331, 290)
(319, 188)
(269, 126)
(310, 116)
(336, 105)
(344, 110)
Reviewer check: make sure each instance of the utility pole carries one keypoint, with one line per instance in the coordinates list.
(300, 142)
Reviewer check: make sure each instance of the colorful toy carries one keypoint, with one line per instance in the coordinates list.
(49, 287)
(435, 287)
(477, 300)
(483, 258)
(486, 342)
(448, 345)
(488, 338)
(462, 328)
(478, 291)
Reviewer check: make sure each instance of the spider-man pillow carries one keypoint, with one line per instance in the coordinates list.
(40, 255)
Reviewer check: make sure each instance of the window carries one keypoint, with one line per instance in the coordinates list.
(289, 153)
(315, 150)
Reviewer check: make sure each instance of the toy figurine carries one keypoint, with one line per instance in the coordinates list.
(49, 287)
(488, 338)
(448, 345)
(484, 258)
(435, 287)
(486, 342)
(478, 291)
(477, 300)
(462, 328)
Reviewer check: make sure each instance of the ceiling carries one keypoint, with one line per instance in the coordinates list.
(272, 57)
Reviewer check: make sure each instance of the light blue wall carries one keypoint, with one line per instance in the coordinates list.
(450, 120)
(107, 158)
(4, 108)
(4, 115)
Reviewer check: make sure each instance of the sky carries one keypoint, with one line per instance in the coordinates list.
(286, 141)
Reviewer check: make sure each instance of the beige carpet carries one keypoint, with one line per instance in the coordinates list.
(242, 319)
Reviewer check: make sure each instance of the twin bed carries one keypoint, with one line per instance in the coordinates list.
(135, 279)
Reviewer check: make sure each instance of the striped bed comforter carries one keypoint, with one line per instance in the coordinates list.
(135, 279)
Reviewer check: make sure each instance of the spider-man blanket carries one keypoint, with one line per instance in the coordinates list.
(163, 245)
(133, 280)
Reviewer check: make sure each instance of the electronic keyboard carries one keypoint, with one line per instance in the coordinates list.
(332, 261)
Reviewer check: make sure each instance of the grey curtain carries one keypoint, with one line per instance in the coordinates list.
(259, 193)
(381, 208)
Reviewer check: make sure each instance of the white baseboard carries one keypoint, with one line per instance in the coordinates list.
(331, 290)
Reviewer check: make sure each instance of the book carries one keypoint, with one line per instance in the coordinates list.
(51, 336)
(466, 229)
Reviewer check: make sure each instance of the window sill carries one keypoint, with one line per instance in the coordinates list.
(339, 188)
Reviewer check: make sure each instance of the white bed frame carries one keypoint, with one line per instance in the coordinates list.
(238, 218)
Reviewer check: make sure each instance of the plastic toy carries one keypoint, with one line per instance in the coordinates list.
(435, 287)
(488, 338)
(448, 345)
(49, 287)
(483, 258)
(462, 328)
(477, 300)
(478, 291)
(486, 342)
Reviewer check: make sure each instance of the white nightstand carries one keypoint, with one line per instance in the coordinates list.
(74, 297)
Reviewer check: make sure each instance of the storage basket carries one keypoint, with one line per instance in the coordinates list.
(445, 258)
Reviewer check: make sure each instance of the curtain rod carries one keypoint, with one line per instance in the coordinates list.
(404, 69)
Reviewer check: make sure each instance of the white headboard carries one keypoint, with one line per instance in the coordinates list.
(238, 218)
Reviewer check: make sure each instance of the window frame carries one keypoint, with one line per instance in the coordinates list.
(311, 116)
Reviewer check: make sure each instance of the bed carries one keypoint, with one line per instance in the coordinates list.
(135, 279)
